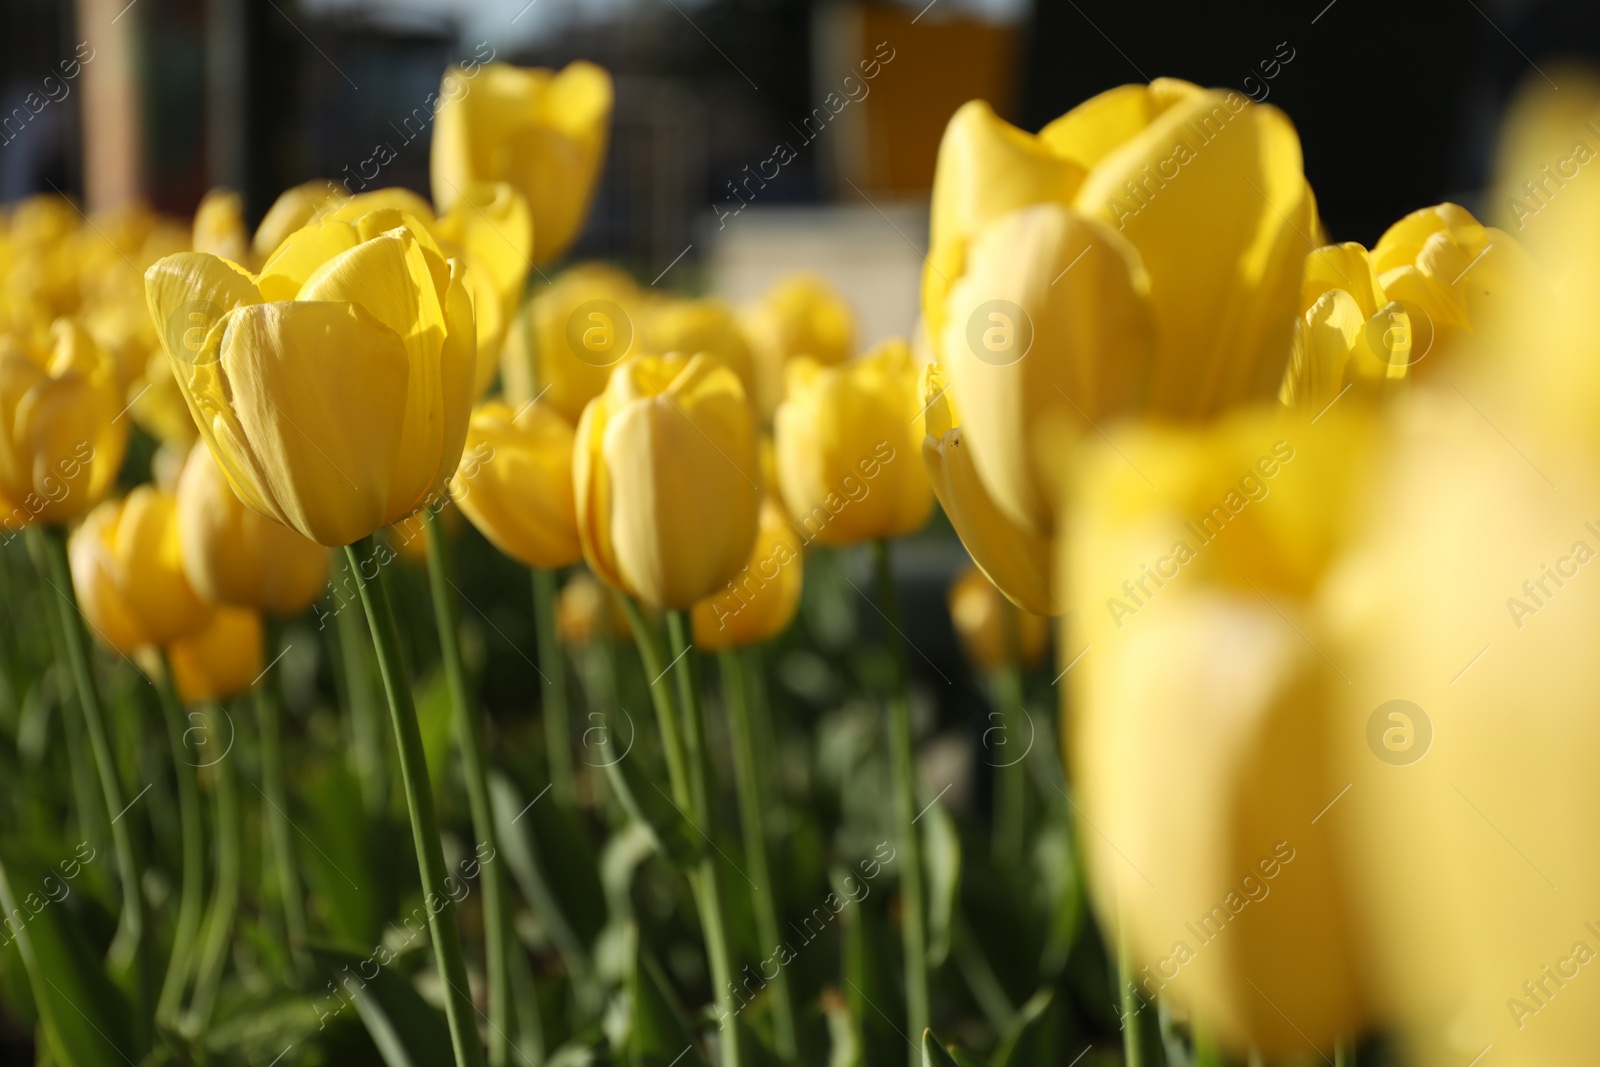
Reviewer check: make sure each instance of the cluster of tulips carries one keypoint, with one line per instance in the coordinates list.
(1273, 492)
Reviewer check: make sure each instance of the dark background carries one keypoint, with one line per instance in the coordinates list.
(1397, 103)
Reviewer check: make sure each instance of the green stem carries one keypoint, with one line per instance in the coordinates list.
(748, 775)
(708, 887)
(903, 768)
(129, 954)
(366, 726)
(553, 666)
(470, 740)
(419, 802)
(225, 894)
(655, 665)
(276, 813)
(1141, 1029)
(191, 898)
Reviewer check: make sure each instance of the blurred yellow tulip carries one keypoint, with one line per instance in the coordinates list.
(127, 568)
(564, 342)
(1200, 702)
(847, 440)
(515, 483)
(233, 554)
(492, 227)
(61, 437)
(294, 209)
(586, 612)
(1371, 320)
(334, 387)
(761, 600)
(159, 406)
(221, 660)
(802, 315)
(543, 132)
(707, 326)
(219, 226)
(1014, 558)
(664, 469)
(980, 615)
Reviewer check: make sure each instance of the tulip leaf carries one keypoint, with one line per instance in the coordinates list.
(564, 894)
(661, 1036)
(1034, 1034)
(86, 1020)
(407, 1030)
(941, 859)
(649, 802)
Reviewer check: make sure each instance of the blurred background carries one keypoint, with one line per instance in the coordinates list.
(172, 97)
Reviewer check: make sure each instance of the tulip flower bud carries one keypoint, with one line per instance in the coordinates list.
(294, 209)
(1014, 558)
(707, 326)
(543, 132)
(61, 438)
(563, 344)
(847, 440)
(760, 601)
(664, 470)
(800, 316)
(334, 388)
(233, 554)
(979, 613)
(585, 611)
(515, 483)
(492, 228)
(127, 568)
(220, 660)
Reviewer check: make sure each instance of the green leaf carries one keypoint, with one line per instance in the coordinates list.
(933, 1052)
(86, 1020)
(660, 1036)
(648, 802)
(941, 852)
(1034, 1034)
(408, 1031)
(871, 963)
(557, 891)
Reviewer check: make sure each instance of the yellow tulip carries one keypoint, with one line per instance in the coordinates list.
(761, 600)
(334, 387)
(61, 440)
(515, 483)
(1370, 320)
(219, 226)
(708, 326)
(158, 404)
(1014, 558)
(978, 611)
(800, 316)
(847, 440)
(1142, 250)
(221, 660)
(127, 568)
(1201, 701)
(664, 469)
(564, 342)
(294, 209)
(543, 132)
(586, 611)
(491, 226)
(233, 554)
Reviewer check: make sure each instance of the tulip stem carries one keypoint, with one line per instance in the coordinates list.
(225, 895)
(419, 802)
(470, 740)
(1141, 1028)
(553, 666)
(708, 886)
(655, 666)
(748, 775)
(191, 897)
(1010, 779)
(366, 728)
(903, 767)
(276, 815)
(129, 953)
